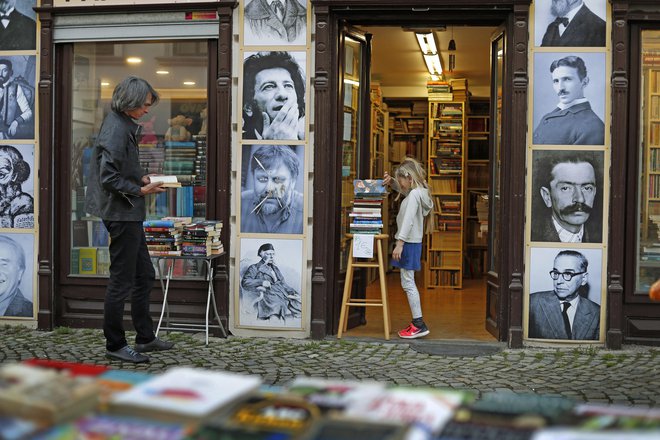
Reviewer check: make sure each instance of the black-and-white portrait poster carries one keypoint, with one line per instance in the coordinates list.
(17, 186)
(274, 95)
(569, 98)
(16, 275)
(18, 26)
(272, 185)
(576, 23)
(270, 280)
(17, 95)
(274, 22)
(565, 293)
(567, 196)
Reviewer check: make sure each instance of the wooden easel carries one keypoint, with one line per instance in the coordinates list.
(347, 301)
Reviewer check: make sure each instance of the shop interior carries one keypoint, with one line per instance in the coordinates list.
(412, 115)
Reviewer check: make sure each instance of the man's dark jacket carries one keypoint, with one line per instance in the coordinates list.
(19, 306)
(586, 29)
(20, 34)
(115, 174)
(544, 230)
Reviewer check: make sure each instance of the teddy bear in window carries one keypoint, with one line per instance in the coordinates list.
(177, 131)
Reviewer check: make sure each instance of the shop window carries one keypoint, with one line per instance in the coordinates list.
(648, 255)
(173, 138)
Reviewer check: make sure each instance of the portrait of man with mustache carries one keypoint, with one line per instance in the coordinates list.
(570, 206)
(572, 121)
(270, 202)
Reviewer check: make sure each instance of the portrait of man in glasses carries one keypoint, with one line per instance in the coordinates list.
(565, 312)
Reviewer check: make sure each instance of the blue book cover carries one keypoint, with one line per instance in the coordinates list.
(369, 186)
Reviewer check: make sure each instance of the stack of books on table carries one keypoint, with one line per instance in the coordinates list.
(164, 235)
(366, 216)
(202, 238)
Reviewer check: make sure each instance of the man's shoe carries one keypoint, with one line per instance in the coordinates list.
(412, 332)
(155, 345)
(127, 354)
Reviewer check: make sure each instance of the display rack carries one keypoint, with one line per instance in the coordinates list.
(446, 172)
(476, 187)
(649, 251)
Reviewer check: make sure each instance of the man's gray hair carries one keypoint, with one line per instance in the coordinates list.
(18, 249)
(132, 93)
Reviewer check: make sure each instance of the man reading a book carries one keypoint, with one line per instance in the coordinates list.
(115, 193)
(272, 205)
(12, 268)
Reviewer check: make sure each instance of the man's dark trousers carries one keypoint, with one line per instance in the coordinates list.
(131, 273)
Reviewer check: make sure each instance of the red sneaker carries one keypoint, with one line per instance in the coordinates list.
(412, 332)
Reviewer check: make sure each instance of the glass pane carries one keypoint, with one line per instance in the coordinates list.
(648, 262)
(495, 199)
(173, 139)
(350, 137)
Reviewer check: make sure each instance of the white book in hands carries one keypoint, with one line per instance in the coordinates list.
(167, 181)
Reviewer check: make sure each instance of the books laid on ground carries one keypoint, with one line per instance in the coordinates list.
(167, 181)
(183, 394)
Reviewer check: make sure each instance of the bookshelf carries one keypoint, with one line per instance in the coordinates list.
(476, 187)
(379, 157)
(649, 265)
(446, 173)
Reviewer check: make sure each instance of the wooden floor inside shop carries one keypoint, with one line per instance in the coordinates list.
(448, 313)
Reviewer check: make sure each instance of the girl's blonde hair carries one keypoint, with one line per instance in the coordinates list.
(410, 167)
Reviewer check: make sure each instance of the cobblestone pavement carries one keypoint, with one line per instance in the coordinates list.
(630, 376)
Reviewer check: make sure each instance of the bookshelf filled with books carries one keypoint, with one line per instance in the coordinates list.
(476, 186)
(446, 166)
(649, 249)
(183, 161)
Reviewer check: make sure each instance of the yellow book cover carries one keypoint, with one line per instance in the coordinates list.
(87, 261)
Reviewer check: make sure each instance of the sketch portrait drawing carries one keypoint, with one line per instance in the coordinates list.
(16, 204)
(274, 22)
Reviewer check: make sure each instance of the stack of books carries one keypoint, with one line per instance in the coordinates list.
(460, 88)
(367, 217)
(439, 90)
(164, 235)
(202, 239)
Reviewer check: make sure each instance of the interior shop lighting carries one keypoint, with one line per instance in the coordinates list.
(162, 72)
(351, 81)
(429, 49)
(189, 83)
(133, 60)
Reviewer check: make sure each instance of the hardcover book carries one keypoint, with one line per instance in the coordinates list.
(183, 394)
(369, 186)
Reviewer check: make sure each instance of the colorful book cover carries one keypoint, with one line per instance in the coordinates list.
(87, 261)
(100, 236)
(183, 394)
(370, 186)
(333, 394)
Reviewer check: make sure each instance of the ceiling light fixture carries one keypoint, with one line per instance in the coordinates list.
(133, 60)
(189, 83)
(429, 49)
(162, 72)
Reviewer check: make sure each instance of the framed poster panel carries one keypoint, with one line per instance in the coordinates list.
(18, 29)
(273, 105)
(17, 186)
(567, 196)
(270, 280)
(275, 22)
(569, 98)
(16, 275)
(560, 23)
(17, 76)
(560, 275)
(272, 185)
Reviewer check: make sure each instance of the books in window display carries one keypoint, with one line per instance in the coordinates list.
(183, 395)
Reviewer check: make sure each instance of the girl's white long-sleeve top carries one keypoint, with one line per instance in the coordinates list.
(410, 219)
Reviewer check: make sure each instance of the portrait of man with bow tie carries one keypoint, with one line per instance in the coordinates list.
(575, 23)
(18, 28)
(275, 22)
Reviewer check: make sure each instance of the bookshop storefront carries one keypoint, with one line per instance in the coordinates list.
(198, 56)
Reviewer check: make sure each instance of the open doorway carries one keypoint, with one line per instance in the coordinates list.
(418, 122)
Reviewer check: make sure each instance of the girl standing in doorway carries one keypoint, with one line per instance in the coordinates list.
(410, 180)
